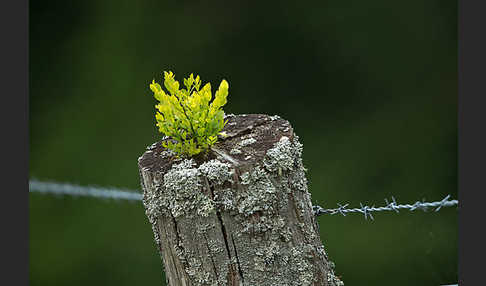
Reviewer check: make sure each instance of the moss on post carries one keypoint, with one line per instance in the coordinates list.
(240, 214)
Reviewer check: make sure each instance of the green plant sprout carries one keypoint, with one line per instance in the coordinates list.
(187, 115)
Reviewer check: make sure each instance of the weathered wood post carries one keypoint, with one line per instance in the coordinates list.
(240, 215)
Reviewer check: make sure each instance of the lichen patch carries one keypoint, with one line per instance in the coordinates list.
(259, 194)
(266, 256)
(281, 156)
(181, 193)
(225, 199)
(247, 142)
(216, 171)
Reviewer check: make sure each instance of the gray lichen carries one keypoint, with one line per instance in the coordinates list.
(151, 202)
(216, 171)
(259, 194)
(266, 256)
(197, 273)
(301, 257)
(180, 193)
(332, 279)
(225, 199)
(247, 142)
(167, 153)
(298, 180)
(286, 155)
(280, 157)
(183, 179)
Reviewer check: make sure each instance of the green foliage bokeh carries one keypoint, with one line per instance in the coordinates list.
(370, 87)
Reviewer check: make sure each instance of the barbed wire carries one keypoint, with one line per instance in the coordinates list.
(390, 206)
(49, 187)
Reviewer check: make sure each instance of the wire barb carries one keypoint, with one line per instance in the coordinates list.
(390, 206)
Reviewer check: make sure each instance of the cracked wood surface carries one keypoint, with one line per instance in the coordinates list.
(240, 214)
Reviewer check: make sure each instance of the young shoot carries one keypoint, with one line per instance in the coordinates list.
(189, 116)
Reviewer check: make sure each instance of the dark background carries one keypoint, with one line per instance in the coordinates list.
(369, 86)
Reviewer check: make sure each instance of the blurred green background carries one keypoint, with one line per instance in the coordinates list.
(369, 86)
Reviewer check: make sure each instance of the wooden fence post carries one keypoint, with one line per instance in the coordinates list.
(239, 215)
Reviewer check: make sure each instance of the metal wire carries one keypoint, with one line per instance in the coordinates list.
(47, 187)
(390, 206)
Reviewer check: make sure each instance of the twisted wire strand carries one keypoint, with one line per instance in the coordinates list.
(390, 206)
(47, 187)
(54, 188)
